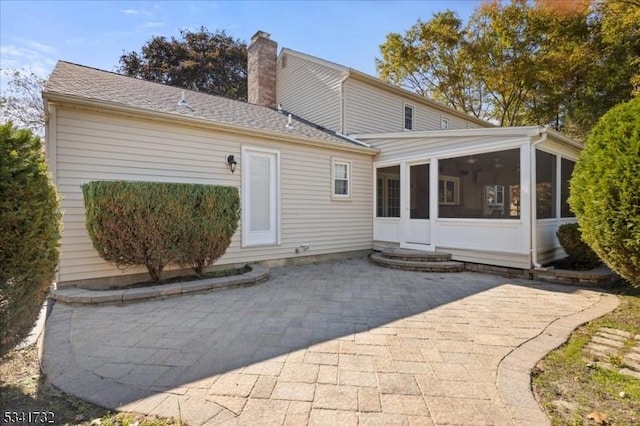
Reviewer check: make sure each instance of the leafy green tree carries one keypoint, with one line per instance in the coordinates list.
(523, 63)
(604, 190)
(503, 44)
(610, 72)
(29, 232)
(207, 62)
(21, 100)
(430, 59)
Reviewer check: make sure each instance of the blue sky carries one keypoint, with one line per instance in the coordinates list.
(35, 34)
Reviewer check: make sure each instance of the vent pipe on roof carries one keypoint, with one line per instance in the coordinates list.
(183, 102)
(261, 68)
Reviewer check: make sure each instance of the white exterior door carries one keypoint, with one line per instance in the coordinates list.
(260, 206)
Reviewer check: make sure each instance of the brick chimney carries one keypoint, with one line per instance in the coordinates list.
(261, 64)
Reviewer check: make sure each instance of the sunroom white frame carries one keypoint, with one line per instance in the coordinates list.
(523, 242)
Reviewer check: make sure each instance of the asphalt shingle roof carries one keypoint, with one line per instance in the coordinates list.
(98, 85)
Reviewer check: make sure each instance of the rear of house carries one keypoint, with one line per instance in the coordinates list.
(331, 162)
(304, 191)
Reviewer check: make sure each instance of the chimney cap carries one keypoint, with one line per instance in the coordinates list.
(260, 34)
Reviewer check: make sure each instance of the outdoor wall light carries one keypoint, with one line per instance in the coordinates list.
(231, 161)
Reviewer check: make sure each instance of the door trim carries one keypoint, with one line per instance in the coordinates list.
(246, 151)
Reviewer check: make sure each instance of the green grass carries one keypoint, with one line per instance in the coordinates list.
(568, 374)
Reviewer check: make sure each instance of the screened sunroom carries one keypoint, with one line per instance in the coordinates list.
(494, 196)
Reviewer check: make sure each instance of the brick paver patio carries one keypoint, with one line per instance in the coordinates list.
(335, 343)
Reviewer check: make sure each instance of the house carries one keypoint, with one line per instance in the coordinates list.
(331, 162)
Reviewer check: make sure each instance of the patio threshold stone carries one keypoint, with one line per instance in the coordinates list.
(414, 260)
(80, 296)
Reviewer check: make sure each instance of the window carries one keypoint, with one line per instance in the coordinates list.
(566, 170)
(494, 200)
(448, 190)
(341, 178)
(480, 186)
(388, 192)
(494, 195)
(408, 117)
(444, 123)
(545, 185)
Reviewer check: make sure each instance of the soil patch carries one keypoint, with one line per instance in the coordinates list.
(574, 385)
(23, 388)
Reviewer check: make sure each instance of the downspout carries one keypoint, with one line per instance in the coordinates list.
(342, 80)
(534, 195)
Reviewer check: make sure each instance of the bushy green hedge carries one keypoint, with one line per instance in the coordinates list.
(213, 214)
(156, 224)
(578, 251)
(29, 232)
(605, 190)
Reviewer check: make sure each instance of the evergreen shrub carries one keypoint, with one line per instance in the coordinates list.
(29, 233)
(578, 251)
(605, 190)
(156, 224)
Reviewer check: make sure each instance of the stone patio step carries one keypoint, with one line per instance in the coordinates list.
(417, 265)
(415, 255)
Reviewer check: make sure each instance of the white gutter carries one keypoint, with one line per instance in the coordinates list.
(203, 122)
(534, 195)
(353, 140)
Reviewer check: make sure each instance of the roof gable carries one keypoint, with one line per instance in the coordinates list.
(386, 86)
(109, 88)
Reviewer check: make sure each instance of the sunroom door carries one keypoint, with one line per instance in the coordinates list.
(417, 226)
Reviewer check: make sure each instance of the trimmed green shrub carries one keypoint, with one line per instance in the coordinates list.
(578, 251)
(213, 219)
(29, 233)
(156, 224)
(605, 190)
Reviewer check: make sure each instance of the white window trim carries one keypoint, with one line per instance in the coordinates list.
(404, 117)
(456, 190)
(444, 120)
(386, 177)
(346, 196)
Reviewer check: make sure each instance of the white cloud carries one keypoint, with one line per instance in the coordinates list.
(139, 12)
(152, 25)
(40, 47)
(29, 54)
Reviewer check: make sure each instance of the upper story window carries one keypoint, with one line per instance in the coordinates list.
(341, 179)
(408, 117)
(444, 123)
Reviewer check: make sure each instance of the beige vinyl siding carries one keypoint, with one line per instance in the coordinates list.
(309, 90)
(400, 149)
(368, 109)
(94, 146)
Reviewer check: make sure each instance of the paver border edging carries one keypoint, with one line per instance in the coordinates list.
(257, 274)
(514, 370)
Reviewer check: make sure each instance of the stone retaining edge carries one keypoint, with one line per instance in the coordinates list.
(73, 295)
(514, 371)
